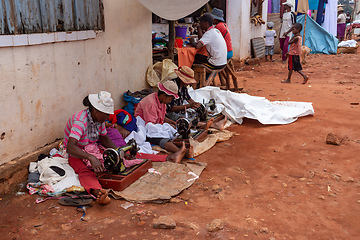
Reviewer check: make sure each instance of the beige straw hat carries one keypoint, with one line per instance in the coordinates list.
(186, 74)
(170, 88)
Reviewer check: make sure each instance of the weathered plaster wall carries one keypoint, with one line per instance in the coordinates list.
(241, 29)
(43, 85)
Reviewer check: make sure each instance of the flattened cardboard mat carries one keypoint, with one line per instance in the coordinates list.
(168, 180)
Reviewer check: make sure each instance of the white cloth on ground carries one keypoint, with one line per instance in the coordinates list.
(140, 137)
(164, 130)
(58, 183)
(348, 43)
(236, 106)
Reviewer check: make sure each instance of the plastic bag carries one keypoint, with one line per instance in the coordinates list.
(160, 72)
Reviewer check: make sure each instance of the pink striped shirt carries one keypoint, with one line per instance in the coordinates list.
(77, 127)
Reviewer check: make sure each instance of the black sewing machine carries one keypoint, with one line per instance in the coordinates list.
(183, 125)
(117, 176)
(114, 158)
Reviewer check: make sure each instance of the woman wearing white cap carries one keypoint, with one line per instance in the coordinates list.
(288, 21)
(84, 128)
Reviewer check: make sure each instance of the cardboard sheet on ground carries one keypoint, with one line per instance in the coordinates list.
(154, 187)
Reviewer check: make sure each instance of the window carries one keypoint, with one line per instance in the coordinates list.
(46, 16)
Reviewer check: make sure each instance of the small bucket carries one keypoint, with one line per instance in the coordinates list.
(180, 31)
(178, 42)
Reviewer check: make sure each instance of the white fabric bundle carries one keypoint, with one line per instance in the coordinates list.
(239, 105)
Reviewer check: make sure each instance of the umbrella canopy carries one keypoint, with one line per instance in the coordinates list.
(173, 9)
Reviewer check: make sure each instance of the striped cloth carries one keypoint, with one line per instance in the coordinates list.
(82, 127)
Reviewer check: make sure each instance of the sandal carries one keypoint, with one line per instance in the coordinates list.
(67, 201)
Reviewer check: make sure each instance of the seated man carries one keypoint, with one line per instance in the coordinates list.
(176, 108)
(152, 109)
(220, 24)
(214, 42)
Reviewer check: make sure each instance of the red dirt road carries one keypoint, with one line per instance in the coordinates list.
(267, 182)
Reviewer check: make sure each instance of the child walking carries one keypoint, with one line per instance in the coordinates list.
(294, 54)
(270, 34)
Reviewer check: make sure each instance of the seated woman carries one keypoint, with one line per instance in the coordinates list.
(176, 108)
(152, 109)
(84, 128)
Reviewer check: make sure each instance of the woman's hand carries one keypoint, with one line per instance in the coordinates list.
(96, 164)
(193, 105)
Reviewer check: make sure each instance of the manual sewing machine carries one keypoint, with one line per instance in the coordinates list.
(118, 177)
(191, 119)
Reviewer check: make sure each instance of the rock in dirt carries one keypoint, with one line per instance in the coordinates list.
(185, 195)
(253, 61)
(263, 230)
(333, 139)
(220, 196)
(228, 179)
(175, 200)
(164, 222)
(215, 225)
(141, 223)
(349, 179)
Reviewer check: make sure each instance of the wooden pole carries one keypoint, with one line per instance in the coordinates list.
(304, 29)
(171, 39)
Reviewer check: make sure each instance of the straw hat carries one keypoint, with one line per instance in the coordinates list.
(339, 9)
(102, 102)
(218, 14)
(186, 74)
(170, 88)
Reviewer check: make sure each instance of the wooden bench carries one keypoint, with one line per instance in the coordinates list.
(200, 71)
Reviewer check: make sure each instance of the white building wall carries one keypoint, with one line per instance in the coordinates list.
(241, 29)
(43, 85)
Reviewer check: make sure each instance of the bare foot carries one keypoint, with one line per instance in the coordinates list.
(102, 196)
(190, 152)
(286, 81)
(177, 156)
(305, 80)
(220, 124)
(208, 124)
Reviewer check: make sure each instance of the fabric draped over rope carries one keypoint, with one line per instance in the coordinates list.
(316, 37)
(173, 9)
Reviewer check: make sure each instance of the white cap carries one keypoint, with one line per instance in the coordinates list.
(289, 4)
(102, 102)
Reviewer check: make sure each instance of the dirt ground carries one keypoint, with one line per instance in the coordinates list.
(267, 182)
